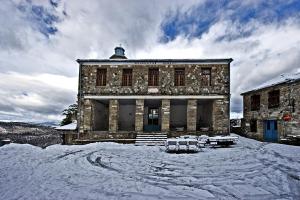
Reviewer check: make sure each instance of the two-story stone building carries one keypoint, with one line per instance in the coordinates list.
(119, 98)
(271, 111)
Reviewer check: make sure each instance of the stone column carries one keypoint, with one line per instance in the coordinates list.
(192, 115)
(165, 115)
(220, 116)
(139, 115)
(87, 115)
(113, 115)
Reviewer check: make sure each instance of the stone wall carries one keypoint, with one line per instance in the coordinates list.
(287, 93)
(220, 116)
(192, 115)
(165, 112)
(113, 115)
(193, 86)
(139, 115)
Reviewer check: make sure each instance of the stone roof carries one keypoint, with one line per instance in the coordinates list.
(283, 78)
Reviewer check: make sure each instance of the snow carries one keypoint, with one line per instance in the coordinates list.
(2, 130)
(289, 77)
(248, 170)
(71, 126)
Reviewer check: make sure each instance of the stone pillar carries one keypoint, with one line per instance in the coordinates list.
(165, 115)
(139, 115)
(220, 116)
(87, 115)
(113, 115)
(192, 115)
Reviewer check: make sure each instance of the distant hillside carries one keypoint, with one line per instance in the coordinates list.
(36, 134)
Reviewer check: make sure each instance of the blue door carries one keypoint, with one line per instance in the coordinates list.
(270, 131)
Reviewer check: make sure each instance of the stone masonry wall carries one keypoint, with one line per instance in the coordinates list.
(139, 115)
(192, 115)
(165, 112)
(193, 86)
(287, 93)
(113, 115)
(220, 116)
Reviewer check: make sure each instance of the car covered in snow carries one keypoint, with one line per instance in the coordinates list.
(222, 140)
(182, 145)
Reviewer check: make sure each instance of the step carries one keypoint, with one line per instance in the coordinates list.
(150, 144)
(151, 137)
(150, 141)
(152, 134)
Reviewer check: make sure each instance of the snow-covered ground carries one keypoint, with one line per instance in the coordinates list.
(248, 170)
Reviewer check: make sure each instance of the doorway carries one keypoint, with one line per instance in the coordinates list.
(270, 131)
(152, 116)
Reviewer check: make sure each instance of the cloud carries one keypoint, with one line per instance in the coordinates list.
(265, 53)
(40, 43)
(29, 96)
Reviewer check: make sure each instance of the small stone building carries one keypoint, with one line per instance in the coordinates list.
(271, 111)
(119, 98)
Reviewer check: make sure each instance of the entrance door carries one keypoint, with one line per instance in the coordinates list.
(153, 117)
(270, 131)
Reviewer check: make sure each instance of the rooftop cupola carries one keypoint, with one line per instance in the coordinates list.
(119, 53)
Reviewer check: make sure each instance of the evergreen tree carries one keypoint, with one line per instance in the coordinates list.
(70, 114)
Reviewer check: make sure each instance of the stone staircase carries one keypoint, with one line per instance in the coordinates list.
(151, 139)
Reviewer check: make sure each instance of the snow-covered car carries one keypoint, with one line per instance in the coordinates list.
(222, 140)
(193, 145)
(181, 145)
(171, 145)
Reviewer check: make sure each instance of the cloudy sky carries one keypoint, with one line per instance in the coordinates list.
(41, 39)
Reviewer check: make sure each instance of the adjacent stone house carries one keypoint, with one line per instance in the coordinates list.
(119, 98)
(271, 111)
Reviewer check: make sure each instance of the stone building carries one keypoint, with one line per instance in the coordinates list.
(120, 98)
(271, 111)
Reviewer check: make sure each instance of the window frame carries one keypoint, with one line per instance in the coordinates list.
(179, 77)
(274, 99)
(153, 77)
(204, 76)
(127, 77)
(101, 77)
(255, 102)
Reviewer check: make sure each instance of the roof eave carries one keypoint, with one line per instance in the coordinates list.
(225, 60)
(276, 84)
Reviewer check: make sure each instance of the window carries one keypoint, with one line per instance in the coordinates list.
(127, 77)
(153, 77)
(253, 125)
(255, 102)
(206, 76)
(101, 77)
(273, 99)
(179, 77)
